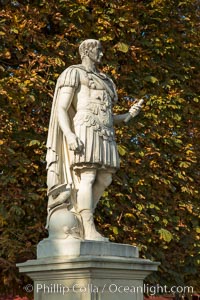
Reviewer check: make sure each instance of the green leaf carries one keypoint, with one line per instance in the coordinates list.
(11, 151)
(165, 235)
(184, 164)
(129, 215)
(139, 206)
(151, 79)
(122, 47)
(198, 229)
(34, 142)
(115, 230)
(122, 150)
(156, 218)
(15, 30)
(165, 221)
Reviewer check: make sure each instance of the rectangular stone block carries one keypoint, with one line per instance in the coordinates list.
(96, 271)
(60, 247)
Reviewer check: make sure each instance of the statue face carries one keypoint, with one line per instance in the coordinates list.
(96, 53)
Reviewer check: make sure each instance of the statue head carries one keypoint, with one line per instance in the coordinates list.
(91, 48)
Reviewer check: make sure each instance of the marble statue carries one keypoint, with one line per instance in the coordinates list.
(82, 153)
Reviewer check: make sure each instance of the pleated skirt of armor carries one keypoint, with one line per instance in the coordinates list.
(99, 150)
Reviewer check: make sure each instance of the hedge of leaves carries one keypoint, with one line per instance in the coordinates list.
(152, 51)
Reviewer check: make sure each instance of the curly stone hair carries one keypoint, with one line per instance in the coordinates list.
(86, 46)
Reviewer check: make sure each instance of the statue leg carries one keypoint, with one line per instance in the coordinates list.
(103, 180)
(84, 195)
(85, 205)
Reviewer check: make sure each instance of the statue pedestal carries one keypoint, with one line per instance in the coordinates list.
(94, 271)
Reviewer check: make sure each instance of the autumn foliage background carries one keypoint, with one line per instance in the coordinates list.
(151, 50)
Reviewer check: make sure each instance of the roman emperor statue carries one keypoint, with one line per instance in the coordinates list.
(82, 153)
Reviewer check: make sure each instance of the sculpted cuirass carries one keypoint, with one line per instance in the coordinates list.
(94, 105)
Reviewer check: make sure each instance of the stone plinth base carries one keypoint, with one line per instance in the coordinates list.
(96, 271)
(59, 247)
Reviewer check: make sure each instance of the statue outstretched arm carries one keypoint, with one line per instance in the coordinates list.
(65, 99)
(120, 118)
(133, 112)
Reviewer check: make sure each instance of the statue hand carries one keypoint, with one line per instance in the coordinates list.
(75, 144)
(135, 109)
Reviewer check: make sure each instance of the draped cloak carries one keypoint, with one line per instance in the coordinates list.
(97, 137)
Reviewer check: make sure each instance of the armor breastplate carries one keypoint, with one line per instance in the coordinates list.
(94, 108)
(94, 98)
(99, 105)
